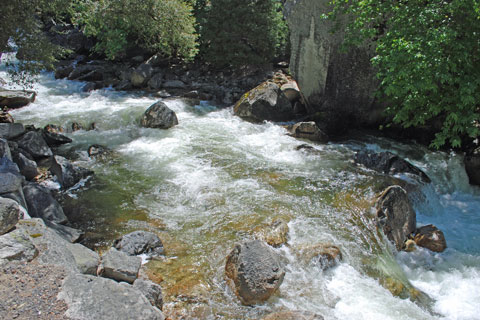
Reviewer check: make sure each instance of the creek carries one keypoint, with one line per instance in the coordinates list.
(215, 179)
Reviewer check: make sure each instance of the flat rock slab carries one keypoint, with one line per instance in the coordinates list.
(16, 98)
(119, 266)
(95, 298)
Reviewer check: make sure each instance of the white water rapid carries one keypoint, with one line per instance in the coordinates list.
(210, 181)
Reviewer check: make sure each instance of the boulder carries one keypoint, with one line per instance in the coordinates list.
(395, 215)
(63, 72)
(81, 70)
(430, 237)
(9, 215)
(16, 98)
(174, 84)
(17, 245)
(308, 130)
(141, 75)
(291, 91)
(119, 266)
(275, 234)
(97, 151)
(87, 260)
(41, 204)
(10, 181)
(67, 173)
(76, 126)
(265, 102)
(140, 242)
(6, 117)
(28, 167)
(34, 144)
(388, 163)
(254, 272)
(68, 233)
(151, 291)
(10, 131)
(93, 298)
(159, 115)
(324, 255)
(52, 136)
(5, 149)
(293, 315)
(472, 166)
(155, 83)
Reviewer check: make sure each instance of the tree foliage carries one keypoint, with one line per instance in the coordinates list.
(239, 32)
(163, 26)
(428, 60)
(21, 31)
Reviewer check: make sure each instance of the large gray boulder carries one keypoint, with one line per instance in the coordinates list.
(254, 271)
(10, 182)
(141, 75)
(95, 298)
(16, 98)
(395, 215)
(119, 266)
(67, 173)
(338, 85)
(265, 102)
(41, 204)
(140, 242)
(17, 245)
(34, 144)
(9, 214)
(11, 130)
(28, 167)
(151, 291)
(87, 260)
(388, 163)
(159, 115)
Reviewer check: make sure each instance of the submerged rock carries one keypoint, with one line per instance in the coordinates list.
(324, 255)
(16, 98)
(395, 215)
(92, 298)
(430, 237)
(159, 115)
(275, 234)
(140, 242)
(388, 163)
(52, 136)
(265, 102)
(308, 130)
(9, 215)
(119, 266)
(254, 272)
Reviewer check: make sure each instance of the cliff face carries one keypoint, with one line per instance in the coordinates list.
(339, 86)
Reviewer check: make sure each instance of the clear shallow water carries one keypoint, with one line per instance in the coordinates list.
(214, 179)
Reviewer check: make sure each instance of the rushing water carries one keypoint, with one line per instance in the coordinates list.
(214, 180)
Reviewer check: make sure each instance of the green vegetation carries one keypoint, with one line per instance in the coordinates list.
(158, 26)
(428, 60)
(240, 32)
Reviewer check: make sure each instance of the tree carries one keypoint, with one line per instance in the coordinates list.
(428, 60)
(162, 26)
(21, 31)
(239, 32)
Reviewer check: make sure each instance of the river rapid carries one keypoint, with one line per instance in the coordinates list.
(215, 179)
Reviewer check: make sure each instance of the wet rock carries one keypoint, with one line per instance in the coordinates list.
(9, 215)
(395, 215)
(35, 145)
(254, 272)
(16, 98)
(293, 315)
(308, 130)
(162, 94)
(87, 260)
(325, 255)
(28, 167)
(410, 245)
(276, 234)
(140, 242)
(472, 166)
(388, 163)
(10, 131)
(82, 70)
(430, 237)
(141, 75)
(53, 128)
(41, 204)
(16, 245)
(119, 266)
(265, 102)
(53, 138)
(159, 115)
(76, 126)
(291, 90)
(96, 150)
(6, 117)
(67, 173)
(151, 291)
(92, 298)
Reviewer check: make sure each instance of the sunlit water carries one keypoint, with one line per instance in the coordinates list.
(214, 179)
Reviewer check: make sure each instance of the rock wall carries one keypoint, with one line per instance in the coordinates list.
(339, 86)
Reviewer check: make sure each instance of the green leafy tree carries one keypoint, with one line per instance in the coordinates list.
(240, 32)
(21, 31)
(162, 26)
(428, 60)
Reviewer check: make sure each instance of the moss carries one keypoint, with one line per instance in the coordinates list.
(36, 235)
